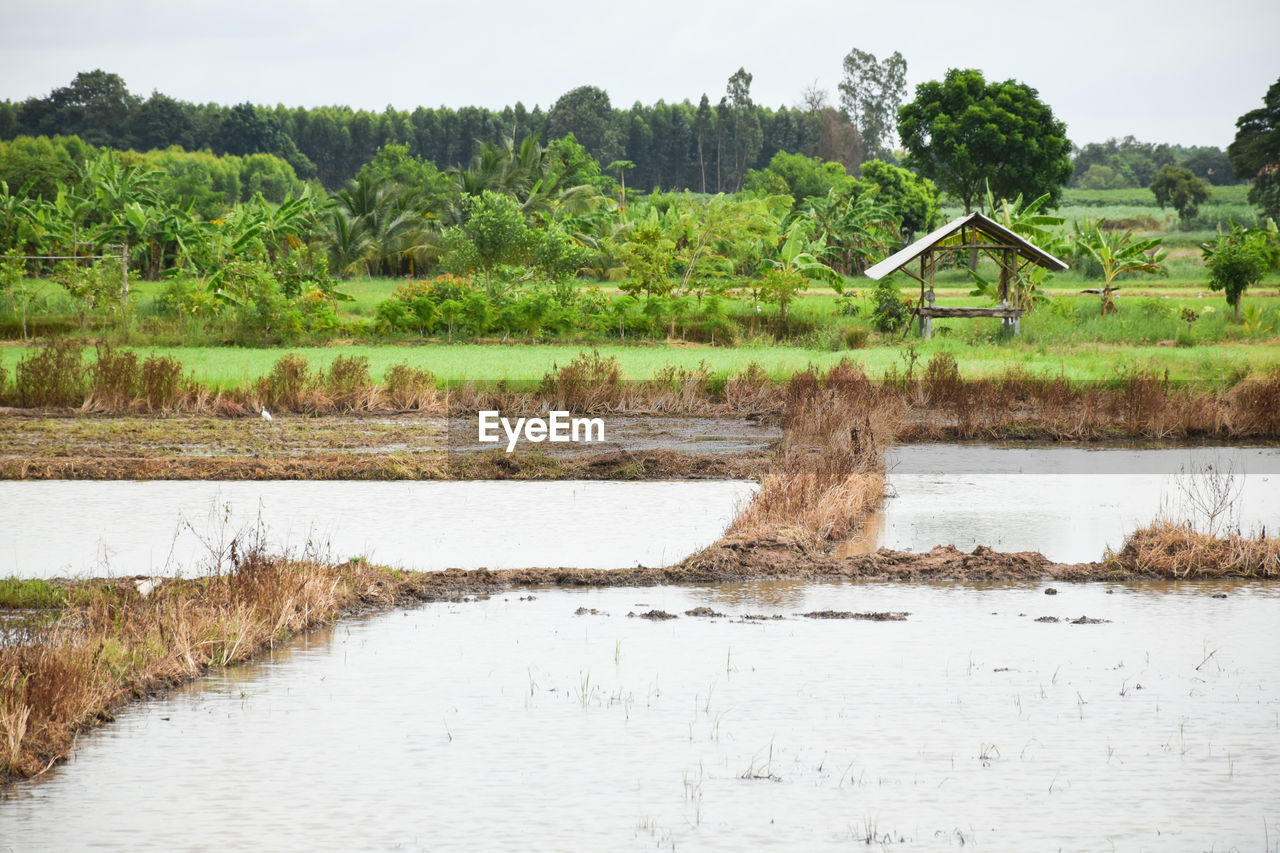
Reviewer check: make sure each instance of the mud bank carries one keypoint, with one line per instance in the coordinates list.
(410, 447)
(775, 557)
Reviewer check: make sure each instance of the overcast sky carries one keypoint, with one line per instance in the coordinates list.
(1106, 68)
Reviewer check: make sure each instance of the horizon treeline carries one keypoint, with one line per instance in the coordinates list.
(705, 148)
(709, 147)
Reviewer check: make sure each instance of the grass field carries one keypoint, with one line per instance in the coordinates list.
(525, 363)
(1066, 335)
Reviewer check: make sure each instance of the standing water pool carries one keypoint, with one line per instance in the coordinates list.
(555, 722)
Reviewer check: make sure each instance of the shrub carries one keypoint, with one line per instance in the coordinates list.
(1155, 309)
(853, 337)
(888, 312)
(413, 307)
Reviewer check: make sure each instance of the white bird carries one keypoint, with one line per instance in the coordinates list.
(146, 586)
(266, 416)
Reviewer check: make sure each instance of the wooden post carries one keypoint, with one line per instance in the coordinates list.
(1009, 325)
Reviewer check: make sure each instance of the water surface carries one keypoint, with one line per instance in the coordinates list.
(167, 527)
(1069, 503)
(513, 724)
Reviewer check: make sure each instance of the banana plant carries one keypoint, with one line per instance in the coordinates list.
(1118, 253)
(794, 266)
(1027, 221)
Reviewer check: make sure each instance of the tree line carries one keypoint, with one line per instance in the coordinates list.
(704, 147)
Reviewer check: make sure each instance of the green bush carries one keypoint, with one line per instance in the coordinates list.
(888, 312)
(853, 337)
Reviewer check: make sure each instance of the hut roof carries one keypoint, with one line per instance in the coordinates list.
(977, 222)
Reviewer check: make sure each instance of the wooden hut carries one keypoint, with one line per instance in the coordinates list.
(974, 232)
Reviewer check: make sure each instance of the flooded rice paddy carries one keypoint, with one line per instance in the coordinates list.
(551, 720)
(97, 528)
(1068, 503)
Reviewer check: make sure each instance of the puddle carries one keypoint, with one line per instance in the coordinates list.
(95, 528)
(1068, 503)
(514, 723)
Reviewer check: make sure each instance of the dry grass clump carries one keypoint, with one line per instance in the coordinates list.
(52, 376)
(1255, 404)
(751, 391)
(589, 383)
(410, 388)
(162, 386)
(936, 402)
(1170, 550)
(942, 405)
(113, 644)
(283, 388)
(829, 472)
(346, 386)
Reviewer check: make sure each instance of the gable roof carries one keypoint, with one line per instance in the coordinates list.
(976, 221)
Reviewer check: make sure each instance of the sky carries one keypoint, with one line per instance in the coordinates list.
(1107, 69)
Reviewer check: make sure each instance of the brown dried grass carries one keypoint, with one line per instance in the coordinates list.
(829, 472)
(934, 402)
(1171, 550)
(112, 644)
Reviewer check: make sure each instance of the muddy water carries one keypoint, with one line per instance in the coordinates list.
(74, 528)
(514, 724)
(1069, 503)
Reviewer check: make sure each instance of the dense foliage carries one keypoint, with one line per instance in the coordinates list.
(1129, 163)
(966, 134)
(1255, 153)
(706, 147)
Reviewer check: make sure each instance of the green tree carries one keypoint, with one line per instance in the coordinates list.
(742, 126)
(1180, 188)
(1100, 177)
(918, 200)
(704, 129)
(96, 106)
(586, 113)
(872, 92)
(1255, 153)
(161, 122)
(494, 234)
(965, 133)
(1236, 260)
(648, 253)
(800, 177)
